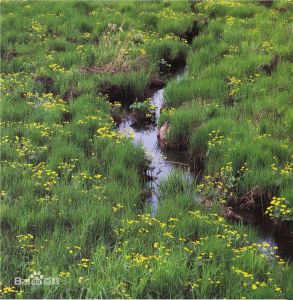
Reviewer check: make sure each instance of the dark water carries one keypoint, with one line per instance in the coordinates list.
(162, 163)
(269, 234)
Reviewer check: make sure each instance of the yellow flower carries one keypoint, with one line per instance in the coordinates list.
(80, 279)
(86, 35)
(64, 274)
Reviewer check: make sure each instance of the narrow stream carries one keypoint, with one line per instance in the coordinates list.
(162, 163)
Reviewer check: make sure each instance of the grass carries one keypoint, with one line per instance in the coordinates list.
(231, 68)
(73, 186)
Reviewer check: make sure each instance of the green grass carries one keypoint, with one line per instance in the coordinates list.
(73, 186)
(231, 69)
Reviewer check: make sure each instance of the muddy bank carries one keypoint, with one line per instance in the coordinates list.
(127, 94)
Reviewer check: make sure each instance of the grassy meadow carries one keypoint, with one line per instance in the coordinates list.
(73, 201)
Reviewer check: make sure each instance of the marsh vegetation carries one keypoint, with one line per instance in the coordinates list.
(76, 202)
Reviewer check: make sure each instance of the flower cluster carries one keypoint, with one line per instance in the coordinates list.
(234, 85)
(87, 180)
(230, 20)
(15, 82)
(57, 68)
(279, 208)
(37, 27)
(45, 178)
(209, 4)
(117, 207)
(107, 132)
(25, 242)
(215, 139)
(266, 46)
(86, 35)
(286, 170)
(167, 12)
(85, 263)
(46, 101)
(5, 291)
(73, 250)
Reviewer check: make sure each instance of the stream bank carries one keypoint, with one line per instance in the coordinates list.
(162, 162)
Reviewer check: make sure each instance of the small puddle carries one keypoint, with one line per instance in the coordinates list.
(163, 161)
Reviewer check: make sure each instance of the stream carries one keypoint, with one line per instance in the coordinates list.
(163, 162)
